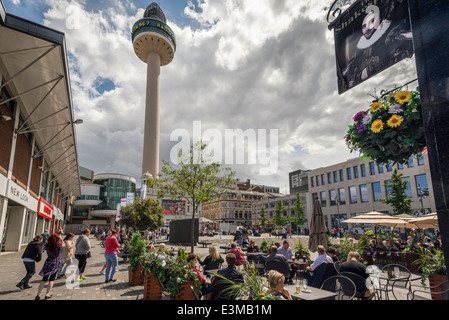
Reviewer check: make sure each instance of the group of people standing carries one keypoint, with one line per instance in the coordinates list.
(60, 253)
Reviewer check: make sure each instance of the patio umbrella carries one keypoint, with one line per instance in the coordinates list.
(400, 221)
(317, 234)
(427, 221)
(371, 217)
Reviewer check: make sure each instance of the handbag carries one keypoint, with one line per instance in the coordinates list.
(88, 255)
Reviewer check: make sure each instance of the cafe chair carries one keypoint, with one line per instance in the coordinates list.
(441, 294)
(194, 293)
(360, 284)
(164, 288)
(337, 265)
(343, 286)
(402, 283)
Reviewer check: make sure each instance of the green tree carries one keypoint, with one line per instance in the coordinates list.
(195, 179)
(147, 213)
(397, 197)
(279, 218)
(299, 219)
(263, 217)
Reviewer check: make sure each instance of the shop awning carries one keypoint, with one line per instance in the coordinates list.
(34, 62)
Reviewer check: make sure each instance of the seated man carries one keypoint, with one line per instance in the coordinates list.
(354, 265)
(322, 258)
(278, 262)
(219, 285)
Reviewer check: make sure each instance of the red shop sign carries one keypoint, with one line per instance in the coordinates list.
(45, 209)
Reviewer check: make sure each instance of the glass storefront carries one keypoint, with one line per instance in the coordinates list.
(112, 191)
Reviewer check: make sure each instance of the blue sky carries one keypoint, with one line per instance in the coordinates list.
(240, 64)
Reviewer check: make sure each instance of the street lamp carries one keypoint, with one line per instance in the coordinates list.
(421, 196)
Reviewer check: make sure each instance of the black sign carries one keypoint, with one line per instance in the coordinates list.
(371, 36)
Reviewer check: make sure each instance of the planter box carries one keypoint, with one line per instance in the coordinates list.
(435, 280)
(409, 258)
(152, 289)
(186, 292)
(135, 276)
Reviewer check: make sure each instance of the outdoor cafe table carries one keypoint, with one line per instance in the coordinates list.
(315, 294)
(389, 281)
(302, 265)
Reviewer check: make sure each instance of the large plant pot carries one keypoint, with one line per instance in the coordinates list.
(152, 289)
(186, 292)
(135, 278)
(409, 258)
(435, 280)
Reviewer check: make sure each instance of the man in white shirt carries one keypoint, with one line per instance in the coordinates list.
(285, 250)
(308, 274)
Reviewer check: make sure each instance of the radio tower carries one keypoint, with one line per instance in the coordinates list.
(155, 44)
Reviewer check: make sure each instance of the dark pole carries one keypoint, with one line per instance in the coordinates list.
(430, 29)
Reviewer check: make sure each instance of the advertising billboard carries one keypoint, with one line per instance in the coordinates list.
(371, 36)
(174, 207)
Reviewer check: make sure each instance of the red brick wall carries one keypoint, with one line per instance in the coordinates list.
(6, 134)
(22, 160)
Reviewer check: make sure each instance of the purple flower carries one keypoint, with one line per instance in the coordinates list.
(359, 115)
(360, 128)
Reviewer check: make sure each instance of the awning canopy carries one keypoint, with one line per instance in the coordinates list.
(34, 64)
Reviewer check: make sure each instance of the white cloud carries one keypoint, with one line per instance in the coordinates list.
(252, 64)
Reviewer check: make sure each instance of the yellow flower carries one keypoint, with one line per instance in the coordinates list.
(403, 96)
(395, 121)
(375, 106)
(377, 126)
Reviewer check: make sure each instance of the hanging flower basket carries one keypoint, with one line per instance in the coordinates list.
(390, 130)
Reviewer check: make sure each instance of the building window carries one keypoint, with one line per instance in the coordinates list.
(420, 160)
(421, 182)
(381, 168)
(364, 193)
(342, 178)
(317, 181)
(400, 166)
(356, 172)
(372, 168)
(348, 173)
(322, 179)
(410, 162)
(329, 178)
(311, 182)
(332, 197)
(362, 168)
(323, 198)
(389, 166)
(352, 194)
(335, 176)
(377, 191)
(314, 196)
(341, 196)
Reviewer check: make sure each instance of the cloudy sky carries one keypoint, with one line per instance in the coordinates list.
(239, 64)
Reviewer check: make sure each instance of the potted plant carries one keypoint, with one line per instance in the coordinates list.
(253, 288)
(300, 251)
(155, 270)
(432, 265)
(391, 129)
(136, 259)
(180, 277)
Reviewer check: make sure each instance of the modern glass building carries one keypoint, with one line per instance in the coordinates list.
(100, 194)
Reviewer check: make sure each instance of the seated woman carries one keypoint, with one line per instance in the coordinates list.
(239, 254)
(276, 281)
(206, 284)
(212, 261)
